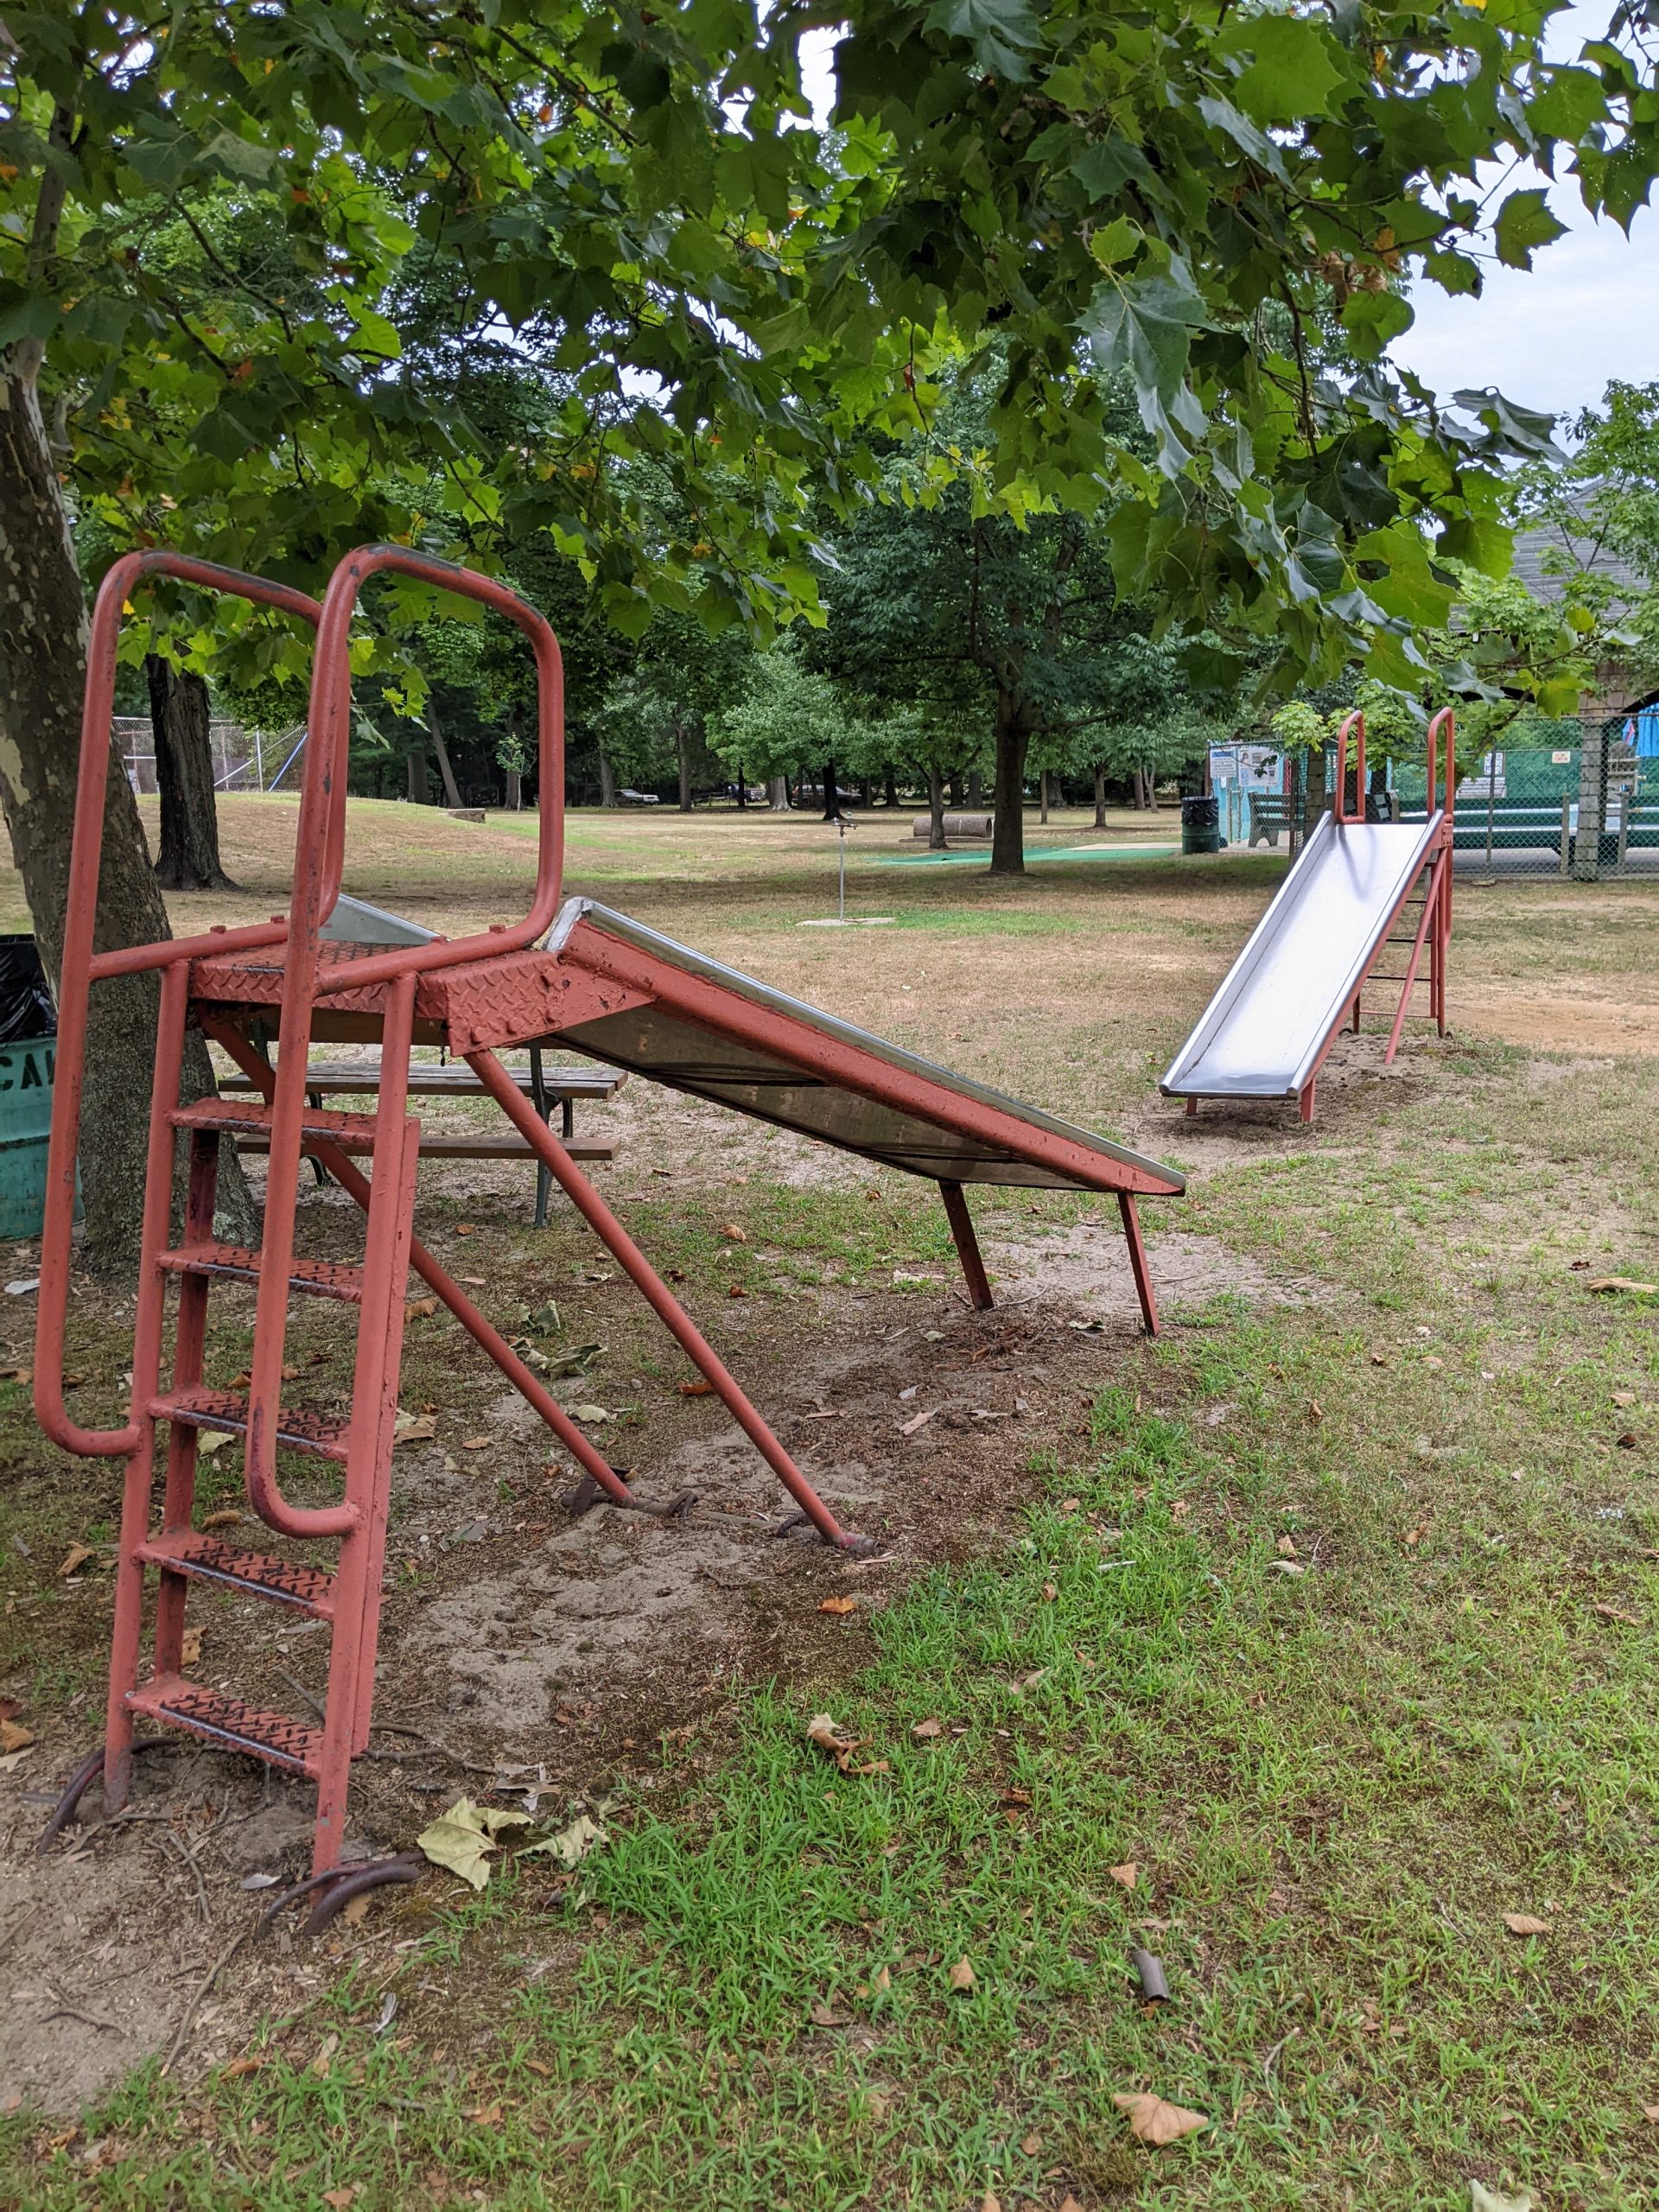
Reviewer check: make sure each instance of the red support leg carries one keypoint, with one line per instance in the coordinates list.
(146, 1369)
(657, 1296)
(1307, 1100)
(189, 1342)
(967, 1244)
(1138, 1262)
(1192, 1107)
(1430, 921)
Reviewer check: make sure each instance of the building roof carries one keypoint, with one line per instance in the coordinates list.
(1581, 548)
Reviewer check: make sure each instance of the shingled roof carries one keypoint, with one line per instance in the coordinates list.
(1581, 549)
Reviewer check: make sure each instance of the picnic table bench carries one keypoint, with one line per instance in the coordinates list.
(1269, 814)
(544, 1086)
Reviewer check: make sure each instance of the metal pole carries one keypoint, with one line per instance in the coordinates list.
(1491, 794)
(259, 753)
(841, 897)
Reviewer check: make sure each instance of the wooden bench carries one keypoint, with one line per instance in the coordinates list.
(544, 1087)
(1269, 814)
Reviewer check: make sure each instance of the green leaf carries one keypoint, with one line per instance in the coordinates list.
(998, 30)
(237, 158)
(1524, 223)
(1372, 319)
(1453, 272)
(1570, 102)
(1294, 70)
(571, 1844)
(463, 1838)
(1145, 324)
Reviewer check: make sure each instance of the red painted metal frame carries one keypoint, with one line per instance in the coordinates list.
(967, 1244)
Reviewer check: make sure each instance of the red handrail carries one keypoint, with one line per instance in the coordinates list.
(81, 966)
(1355, 721)
(319, 862)
(1448, 719)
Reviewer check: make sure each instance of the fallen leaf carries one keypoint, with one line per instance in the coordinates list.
(75, 1558)
(357, 1911)
(14, 1737)
(1605, 1283)
(418, 1309)
(823, 2017)
(1155, 2121)
(1287, 1548)
(990, 2201)
(414, 1428)
(1031, 2145)
(883, 1978)
(476, 1443)
(572, 1843)
(227, 1517)
(737, 1291)
(591, 1414)
(874, 1766)
(1628, 1441)
(1652, 2112)
(466, 1229)
(209, 1440)
(1482, 2199)
(250, 2063)
(1050, 1593)
(1379, 1359)
(1525, 1923)
(925, 1728)
(1315, 1411)
(698, 1389)
(463, 1838)
(1070, 1504)
(1288, 1566)
(916, 1421)
(341, 2199)
(320, 2064)
(1127, 1875)
(822, 1730)
(12, 1760)
(961, 1975)
(1612, 1613)
(290, 1374)
(839, 1606)
(1624, 1397)
(190, 1648)
(1413, 1537)
(732, 1233)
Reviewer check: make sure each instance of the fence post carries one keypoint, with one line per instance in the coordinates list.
(1566, 837)
(1593, 799)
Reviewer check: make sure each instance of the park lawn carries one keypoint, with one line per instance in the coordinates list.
(1334, 1620)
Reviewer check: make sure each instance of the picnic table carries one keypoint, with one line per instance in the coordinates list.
(544, 1086)
(1269, 814)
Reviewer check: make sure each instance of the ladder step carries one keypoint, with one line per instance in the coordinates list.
(302, 1429)
(318, 1278)
(252, 1117)
(209, 1559)
(273, 1737)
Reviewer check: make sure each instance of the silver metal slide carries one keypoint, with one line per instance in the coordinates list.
(1266, 1029)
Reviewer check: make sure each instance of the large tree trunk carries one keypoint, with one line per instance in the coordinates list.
(935, 811)
(779, 794)
(1042, 798)
(683, 750)
(42, 668)
(831, 796)
(607, 781)
(975, 792)
(1100, 795)
(515, 788)
(1149, 780)
(742, 790)
(451, 791)
(1008, 829)
(420, 791)
(180, 720)
(889, 789)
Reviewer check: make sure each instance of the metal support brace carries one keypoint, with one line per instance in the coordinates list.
(967, 1244)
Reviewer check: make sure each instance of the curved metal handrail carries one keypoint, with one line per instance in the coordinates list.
(81, 966)
(319, 864)
(1355, 721)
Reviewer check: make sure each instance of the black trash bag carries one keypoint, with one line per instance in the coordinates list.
(26, 1008)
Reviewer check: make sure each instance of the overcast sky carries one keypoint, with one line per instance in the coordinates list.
(1587, 311)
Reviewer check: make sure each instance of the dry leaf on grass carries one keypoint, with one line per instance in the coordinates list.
(1482, 2199)
(1525, 1923)
(1287, 1548)
(571, 1844)
(1624, 1397)
(473, 1282)
(1154, 2122)
(463, 1838)
(190, 1648)
(75, 1558)
(1652, 2112)
(916, 1421)
(589, 1416)
(475, 1443)
(838, 1742)
(698, 1389)
(1413, 1537)
(1605, 1283)
(961, 1975)
(1612, 1613)
(839, 1606)
(209, 1440)
(465, 1228)
(1127, 1875)
(1315, 1411)
(227, 1517)
(925, 1728)
(737, 1291)
(990, 2201)
(14, 1737)
(414, 1428)
(732, 1233)
(824, 2016)
(418, 1309)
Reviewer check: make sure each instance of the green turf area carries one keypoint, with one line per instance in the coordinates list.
(1033, 853)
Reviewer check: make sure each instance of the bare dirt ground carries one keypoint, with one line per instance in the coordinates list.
(550, 1656)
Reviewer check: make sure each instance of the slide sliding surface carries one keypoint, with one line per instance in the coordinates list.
(1265, 1031)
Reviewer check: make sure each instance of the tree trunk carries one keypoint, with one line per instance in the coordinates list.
(42, 667)
(420, 791)
(1149, 781)
(1009, 829)
(607, 781)
(515, 788)
(831, 797)
(683, 750)
(935, 811)
(1313, 790)
(1042, 797)
(742, 790)
(975, 792)
(778, 793)
(451, 791)
(1100, 795)
(180, 719)
(889, 790)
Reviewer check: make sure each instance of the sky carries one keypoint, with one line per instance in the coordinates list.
(1587, 312)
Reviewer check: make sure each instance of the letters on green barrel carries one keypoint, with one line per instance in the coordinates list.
(26, 1072)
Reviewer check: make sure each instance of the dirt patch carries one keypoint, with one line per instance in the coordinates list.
(1556, 1021)
(533, 1652)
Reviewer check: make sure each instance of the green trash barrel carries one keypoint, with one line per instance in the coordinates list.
(1201, 825)
(26, 1073)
